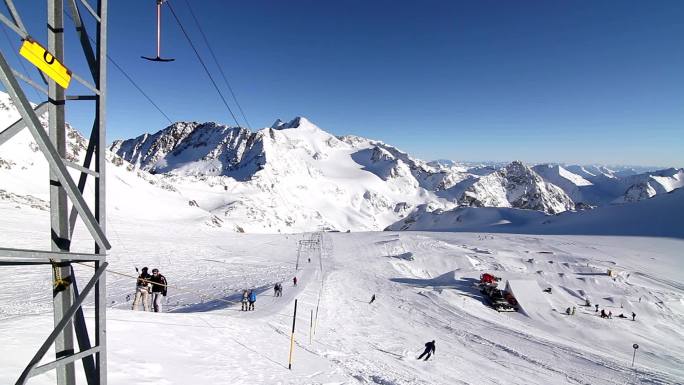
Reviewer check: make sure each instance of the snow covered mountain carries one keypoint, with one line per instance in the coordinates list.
(597, 185)
(294, 176)
(516, 185)
(290, 177)
(657, 217)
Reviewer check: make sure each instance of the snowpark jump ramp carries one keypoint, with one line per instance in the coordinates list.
(531, 300)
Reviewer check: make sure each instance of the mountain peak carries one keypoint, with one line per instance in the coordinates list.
(297, 122)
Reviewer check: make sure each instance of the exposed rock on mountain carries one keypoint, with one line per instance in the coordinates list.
(516, 185)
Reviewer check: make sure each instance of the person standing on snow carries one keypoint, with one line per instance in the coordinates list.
(429, 350)
(245, 298)
(633, 316)
(159, 287)
(294, 280)
(142, 290)
(252, 299)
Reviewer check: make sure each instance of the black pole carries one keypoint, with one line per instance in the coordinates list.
(635, 347)
(294, 320)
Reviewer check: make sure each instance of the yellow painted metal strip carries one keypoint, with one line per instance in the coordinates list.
(41, 58)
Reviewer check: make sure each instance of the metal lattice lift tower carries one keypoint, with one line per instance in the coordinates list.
(70, 325)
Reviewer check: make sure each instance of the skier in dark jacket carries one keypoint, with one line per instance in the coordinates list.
(294, 280)
(633, 316)
(252, 299)
(429, 350)
(158, 289)
(372, 299)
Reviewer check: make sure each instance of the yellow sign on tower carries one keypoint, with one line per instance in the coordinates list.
(41, 58)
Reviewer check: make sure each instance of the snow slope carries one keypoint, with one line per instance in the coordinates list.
(658, 217)
(424, 288)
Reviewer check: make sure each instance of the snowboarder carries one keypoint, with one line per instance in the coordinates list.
(245, 298)
(633, 316)
(294, 280)
(596, 308)
(159, 287)
(252, 299)
(142, 290)
(429, 350)
(372, 299)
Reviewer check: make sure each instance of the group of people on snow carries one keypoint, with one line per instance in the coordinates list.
(147, 286)
(278, 290)
(248, 300)
(604, 314)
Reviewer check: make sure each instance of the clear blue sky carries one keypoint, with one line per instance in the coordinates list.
(570, 81)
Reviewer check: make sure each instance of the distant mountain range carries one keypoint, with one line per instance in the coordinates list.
(294, 176)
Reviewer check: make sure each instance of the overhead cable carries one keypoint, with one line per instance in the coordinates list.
(199, 57)
(211, 50)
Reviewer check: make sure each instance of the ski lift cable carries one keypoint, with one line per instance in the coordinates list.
(199, 57)
(149, 99)
(129, 78)
(213, 55)
(21, 62)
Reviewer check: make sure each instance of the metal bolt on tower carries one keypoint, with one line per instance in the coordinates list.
(70, 325)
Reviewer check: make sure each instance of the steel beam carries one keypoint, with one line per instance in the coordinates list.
(83, 37)
(30, 81)
(85, 83)
(60, 326)
(13, 26)
(59, 221)
(63, 361)
(51, 153)
(19, 125)
(84, 340)
(91, 10)
(14, 255)
(100, 187)
(81, 168)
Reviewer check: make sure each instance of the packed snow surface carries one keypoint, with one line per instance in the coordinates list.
(424, 284)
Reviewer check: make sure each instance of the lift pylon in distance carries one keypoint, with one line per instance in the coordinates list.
(158, 57)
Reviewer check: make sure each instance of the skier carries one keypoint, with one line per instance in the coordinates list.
(603, 313)
(252, 299)
(142, 290)
(633, 316)
(275, 289)
(309, 259)
(294, 280)
(610, 315)
(573, 311)
(568, 311)
(372, 299)
(159, 287)
(245, 298)
(596, 311)
(587, 303)
(429, 350)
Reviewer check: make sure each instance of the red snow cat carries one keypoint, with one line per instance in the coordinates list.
(495, 296)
